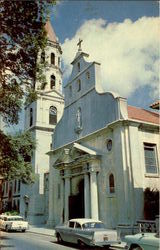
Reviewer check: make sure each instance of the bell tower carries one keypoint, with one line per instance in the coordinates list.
(50, 61)
(41, 117)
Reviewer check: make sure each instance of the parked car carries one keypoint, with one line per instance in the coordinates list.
(142, 241)
(10, 222)
(88, 232)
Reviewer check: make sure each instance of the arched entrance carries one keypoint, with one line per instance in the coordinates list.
(76, 202)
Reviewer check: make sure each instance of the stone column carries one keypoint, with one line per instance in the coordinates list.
(94, 195)
(62, 200)
(86, 196)
(66, 200)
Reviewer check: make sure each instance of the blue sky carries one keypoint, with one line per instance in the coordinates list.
(121, 35)
(67, 16)
(71, 18)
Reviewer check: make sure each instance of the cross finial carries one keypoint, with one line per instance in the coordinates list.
(79, 44)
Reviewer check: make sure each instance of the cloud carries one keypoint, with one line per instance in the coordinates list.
(128, 52)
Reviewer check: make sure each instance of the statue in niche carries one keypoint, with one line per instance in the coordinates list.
(78, 121)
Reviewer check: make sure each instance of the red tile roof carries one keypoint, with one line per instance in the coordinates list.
(143, 115)
(50, 32)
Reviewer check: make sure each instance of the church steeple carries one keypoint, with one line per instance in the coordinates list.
(50, 62)
(50, 32)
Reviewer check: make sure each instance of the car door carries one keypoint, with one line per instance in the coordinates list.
(77, 232)
(70, 232)
(67, 232)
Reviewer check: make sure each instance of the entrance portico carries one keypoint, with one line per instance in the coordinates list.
(79, 166)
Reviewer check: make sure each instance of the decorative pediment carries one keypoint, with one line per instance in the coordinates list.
(76, 152)
(64, 157)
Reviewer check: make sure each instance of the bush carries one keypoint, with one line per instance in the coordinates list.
(13, 212)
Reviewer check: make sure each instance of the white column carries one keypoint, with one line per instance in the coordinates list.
(51, 217)
(86, 196)
(62, 200)
(94, 195)
(66, 200)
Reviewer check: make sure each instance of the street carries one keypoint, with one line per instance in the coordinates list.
(31, 241)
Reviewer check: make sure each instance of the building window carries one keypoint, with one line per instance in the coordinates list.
(53, 58)
(59, 191)
(109, 144)
(70, 91)
(59, 61)
(111, 184)
(53, 81)
(78, 66)
(6, 187)
(31, 117)
(52, 115)
(88, 75)
(43, 57)
(78, 85)
(18, 205)
(15, 186)
(150, 158)
(19, 185)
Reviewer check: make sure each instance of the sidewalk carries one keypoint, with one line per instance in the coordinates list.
(43, 229)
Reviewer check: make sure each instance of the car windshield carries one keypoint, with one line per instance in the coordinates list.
(90, 225)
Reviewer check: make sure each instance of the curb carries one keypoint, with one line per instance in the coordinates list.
(47, 234)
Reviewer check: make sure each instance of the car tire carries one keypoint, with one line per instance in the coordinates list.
(23, 230)
(59, 238)
(135, 248)
(7, 228)
(81, 244)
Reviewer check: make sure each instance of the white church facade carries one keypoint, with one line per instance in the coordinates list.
(104, 153)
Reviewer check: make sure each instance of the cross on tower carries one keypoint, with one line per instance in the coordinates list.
(79, 44)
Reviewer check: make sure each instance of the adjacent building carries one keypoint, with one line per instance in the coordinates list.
(104, 154)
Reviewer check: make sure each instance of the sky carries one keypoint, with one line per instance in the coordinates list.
(121, 35)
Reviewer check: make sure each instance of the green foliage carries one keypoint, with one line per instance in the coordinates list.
(22, 28)
(13, 212)
(15, 156)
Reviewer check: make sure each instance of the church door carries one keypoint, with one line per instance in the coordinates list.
(76, 203)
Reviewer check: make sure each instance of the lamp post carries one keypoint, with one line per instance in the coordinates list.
(26, 201)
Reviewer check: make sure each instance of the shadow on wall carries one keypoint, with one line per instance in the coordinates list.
(151, 203)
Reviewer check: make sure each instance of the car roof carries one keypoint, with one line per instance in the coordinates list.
(12, 216)
(85, 220)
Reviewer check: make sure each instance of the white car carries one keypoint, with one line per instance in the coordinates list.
(142, 241)
(9, 222)
(88, 232)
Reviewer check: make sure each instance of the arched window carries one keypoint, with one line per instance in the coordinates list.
(53, 81)
(88, 75)
(43, 57)
(70, 91)
(52, 58)
(79, 67)
(111, 184)
(31, 117)
(59, 61)
(52, 115)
